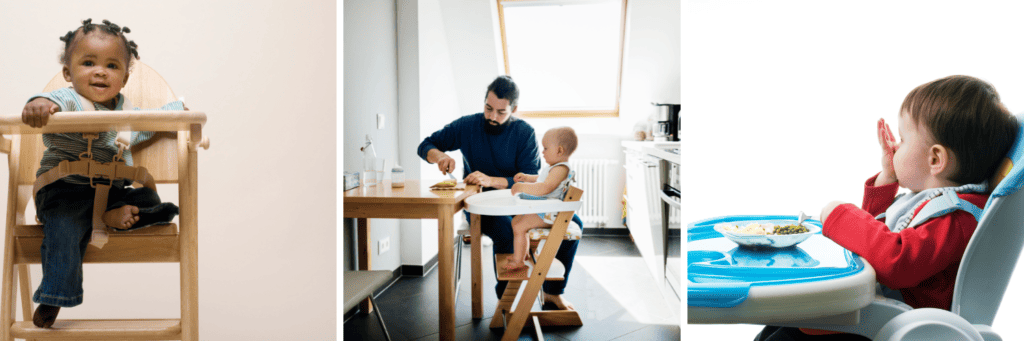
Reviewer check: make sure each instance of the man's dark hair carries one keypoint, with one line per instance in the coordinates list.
(964, 114)
(504, 88)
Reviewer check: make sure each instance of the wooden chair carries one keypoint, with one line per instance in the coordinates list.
(543, 267)
(170, 157)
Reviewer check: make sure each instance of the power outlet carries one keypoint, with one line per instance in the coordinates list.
(384, 245)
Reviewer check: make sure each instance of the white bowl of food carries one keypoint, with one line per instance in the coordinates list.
(774, 234)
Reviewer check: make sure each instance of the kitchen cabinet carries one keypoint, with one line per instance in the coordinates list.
(646, 172)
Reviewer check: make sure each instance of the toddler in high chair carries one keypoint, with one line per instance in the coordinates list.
(955, 132)
(97, 60)
(551, 183)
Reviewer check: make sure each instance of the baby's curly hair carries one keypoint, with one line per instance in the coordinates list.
(72, 37)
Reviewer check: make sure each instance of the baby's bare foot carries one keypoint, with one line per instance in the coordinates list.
(512, 259)
(122, 217)
(45, 315)
(513, 265)
(558, 301)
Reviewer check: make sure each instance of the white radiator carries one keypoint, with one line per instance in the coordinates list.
(593, 176)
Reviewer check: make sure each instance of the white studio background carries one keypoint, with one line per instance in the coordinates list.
(780, 100)
(265, 73)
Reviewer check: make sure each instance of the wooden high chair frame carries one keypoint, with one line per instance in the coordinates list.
(515, 320)
(171, 158)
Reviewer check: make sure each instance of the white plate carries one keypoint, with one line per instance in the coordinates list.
(769, 240)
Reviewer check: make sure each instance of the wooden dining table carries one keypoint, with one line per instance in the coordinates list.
(415, 201)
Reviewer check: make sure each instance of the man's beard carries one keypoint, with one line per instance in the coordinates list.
(495, 128)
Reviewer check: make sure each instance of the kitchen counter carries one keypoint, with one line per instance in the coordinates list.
(638, 145)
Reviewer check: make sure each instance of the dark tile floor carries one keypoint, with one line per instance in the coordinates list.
(409, 306)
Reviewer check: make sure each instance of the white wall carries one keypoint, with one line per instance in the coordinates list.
(781, 100)
(408, 109)
(371, 88)
(265, 74)
(437, 101)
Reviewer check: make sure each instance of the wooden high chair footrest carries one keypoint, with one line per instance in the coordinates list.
(36, 230)
(557, 318)
(153, 244)
(555, 272)
(150, 329)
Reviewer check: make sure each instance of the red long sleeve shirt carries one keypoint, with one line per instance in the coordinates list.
(920, 262)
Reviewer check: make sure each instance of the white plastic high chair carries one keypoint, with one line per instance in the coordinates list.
(170, 157)
(982, 278)
(543, 267)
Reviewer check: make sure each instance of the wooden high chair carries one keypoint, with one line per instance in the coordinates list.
(543, 267)
(170, 158)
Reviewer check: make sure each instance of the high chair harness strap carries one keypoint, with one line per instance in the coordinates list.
(94, 170)
(940, 203)
(945, 204)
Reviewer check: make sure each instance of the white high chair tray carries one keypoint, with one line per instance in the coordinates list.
(501, 203)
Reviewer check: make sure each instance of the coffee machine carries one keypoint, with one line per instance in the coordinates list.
(666, 126)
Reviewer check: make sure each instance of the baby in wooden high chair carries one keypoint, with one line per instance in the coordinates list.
(97, 60)
(552, 183)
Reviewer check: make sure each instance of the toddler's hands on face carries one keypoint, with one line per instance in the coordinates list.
(887, 141)
(37, 112)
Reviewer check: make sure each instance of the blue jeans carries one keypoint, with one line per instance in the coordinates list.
(499, 229)
(66, 213)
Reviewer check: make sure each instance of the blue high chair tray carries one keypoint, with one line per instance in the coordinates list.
(729, 282)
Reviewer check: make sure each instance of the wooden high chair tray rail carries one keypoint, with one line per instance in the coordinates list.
(98, 121)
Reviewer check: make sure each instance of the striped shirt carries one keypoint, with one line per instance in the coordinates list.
(68, 146)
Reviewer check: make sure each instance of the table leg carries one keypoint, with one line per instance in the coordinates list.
(445, 274)
(363, 252)
(476, 248)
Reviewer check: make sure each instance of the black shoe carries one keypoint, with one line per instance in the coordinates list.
(45, 315)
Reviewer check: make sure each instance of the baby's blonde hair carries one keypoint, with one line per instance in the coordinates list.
(566, 138)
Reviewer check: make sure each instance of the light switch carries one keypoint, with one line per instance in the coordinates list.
(380, 121)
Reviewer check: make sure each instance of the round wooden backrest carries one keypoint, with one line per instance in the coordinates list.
(146, 89)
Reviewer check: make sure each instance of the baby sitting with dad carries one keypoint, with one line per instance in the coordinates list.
(551, 183)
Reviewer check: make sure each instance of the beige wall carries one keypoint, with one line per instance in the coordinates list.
(265, 73)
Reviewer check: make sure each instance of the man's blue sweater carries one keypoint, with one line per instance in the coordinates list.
(503, 155)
